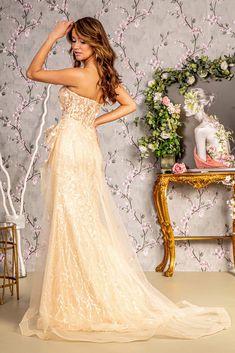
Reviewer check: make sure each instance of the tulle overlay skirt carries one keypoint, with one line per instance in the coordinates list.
(88, 284)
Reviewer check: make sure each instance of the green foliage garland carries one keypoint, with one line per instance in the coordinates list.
(163, 120)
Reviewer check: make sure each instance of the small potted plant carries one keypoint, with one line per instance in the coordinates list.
(163, 119)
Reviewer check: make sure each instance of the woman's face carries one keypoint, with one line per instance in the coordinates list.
(81, 49)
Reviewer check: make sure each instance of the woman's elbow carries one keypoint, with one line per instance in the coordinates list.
(133, 107)
(29, 74)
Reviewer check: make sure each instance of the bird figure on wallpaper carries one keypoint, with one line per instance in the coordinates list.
(88, 284)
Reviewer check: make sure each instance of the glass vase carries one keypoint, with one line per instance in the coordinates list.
(167, 162)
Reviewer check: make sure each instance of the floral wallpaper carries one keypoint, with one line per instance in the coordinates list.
(145, 35)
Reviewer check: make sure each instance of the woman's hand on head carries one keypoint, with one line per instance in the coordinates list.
(61, 29)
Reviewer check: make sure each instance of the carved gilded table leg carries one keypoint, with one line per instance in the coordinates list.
(171, 249)
(160, 202)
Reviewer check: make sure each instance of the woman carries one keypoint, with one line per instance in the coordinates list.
(88, 284)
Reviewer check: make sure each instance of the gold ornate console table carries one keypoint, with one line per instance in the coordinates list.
(198, 181)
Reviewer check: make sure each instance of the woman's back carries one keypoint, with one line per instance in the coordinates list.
(88, 86)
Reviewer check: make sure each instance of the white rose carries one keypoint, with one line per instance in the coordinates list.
(142, 149)
(151, 83)
(171, 108)
(157, 96)
(151, 146)
(191, 80)
(224, 65)
(165, 135)
(165, 75)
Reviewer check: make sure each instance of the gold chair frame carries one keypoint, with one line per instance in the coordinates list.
(8, 242)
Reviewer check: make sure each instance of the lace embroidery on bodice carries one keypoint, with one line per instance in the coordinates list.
(75, 107)
(78, 107)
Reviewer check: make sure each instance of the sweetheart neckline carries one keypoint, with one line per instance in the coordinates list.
(76, 94)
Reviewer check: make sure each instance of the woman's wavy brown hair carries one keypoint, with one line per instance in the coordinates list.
(92, 32)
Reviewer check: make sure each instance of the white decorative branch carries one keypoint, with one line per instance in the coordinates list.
(36, 149)
(4, 199)
(8, 186)
(19, 220)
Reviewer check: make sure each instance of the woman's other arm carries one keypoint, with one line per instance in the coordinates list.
(36, 72)
(127, 106)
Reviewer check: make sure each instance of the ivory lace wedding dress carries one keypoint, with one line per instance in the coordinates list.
(88, 284)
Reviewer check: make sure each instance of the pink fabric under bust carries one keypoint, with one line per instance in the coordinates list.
(209, 163)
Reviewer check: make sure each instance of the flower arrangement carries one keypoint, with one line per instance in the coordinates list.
(163, 117)
(164, 120)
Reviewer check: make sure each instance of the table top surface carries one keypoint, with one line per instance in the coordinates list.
(199, 174)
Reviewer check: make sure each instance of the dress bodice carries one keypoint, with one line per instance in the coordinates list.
(74, 108)
(78, 107)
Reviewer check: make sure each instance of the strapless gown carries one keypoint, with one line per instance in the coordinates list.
(88, 284)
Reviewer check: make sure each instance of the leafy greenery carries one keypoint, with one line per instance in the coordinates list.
(163, 121)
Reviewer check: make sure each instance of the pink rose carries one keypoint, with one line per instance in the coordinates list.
(166, 101)
(179, 168)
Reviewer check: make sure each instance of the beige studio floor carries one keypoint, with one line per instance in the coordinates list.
(207, 288)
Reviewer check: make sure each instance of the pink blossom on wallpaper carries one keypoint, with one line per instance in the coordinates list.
(220, 253)
(28, 252)
(27, 6)
(123, 25)
(139, 99)
(197, 30)
(201, 213)
(156, 63)
(137, 23)
(35, 180)
(177, 230)
(205, 266)
(146, 12)
(130, 18)
(140, 74)
(212, 19)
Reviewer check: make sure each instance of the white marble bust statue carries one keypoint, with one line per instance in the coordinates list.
(212, 148)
